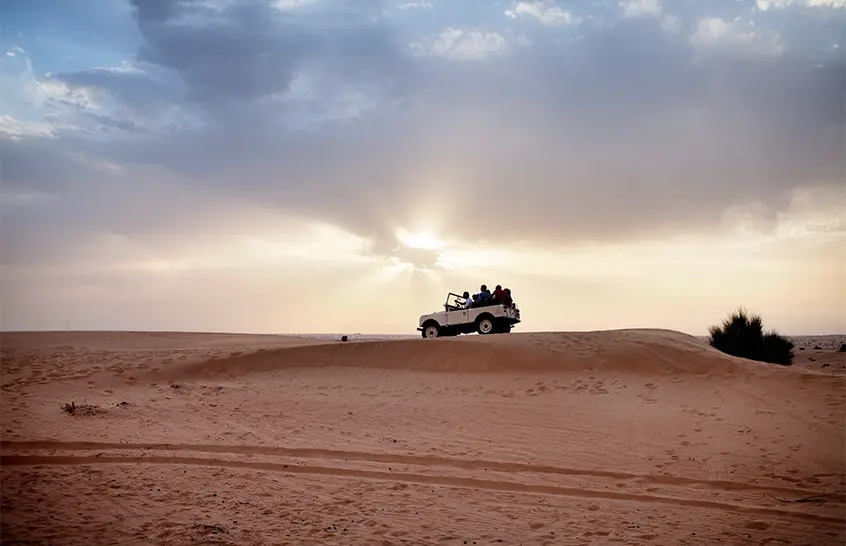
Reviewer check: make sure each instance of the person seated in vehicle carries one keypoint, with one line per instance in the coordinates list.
(507, 299)
(468, 301)
(499, 294)
(484, 294)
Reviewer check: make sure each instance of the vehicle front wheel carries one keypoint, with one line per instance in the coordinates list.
(431, 331)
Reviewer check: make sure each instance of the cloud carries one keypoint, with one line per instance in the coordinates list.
(238, 112)
(463, 45)
(652, 8)
(637, 8)
(257, 49)
(12, 128)
(764, 5)
(419, 4)
(547, 13)
(739, 35)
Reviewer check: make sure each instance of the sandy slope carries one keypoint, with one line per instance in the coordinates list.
(633, 437)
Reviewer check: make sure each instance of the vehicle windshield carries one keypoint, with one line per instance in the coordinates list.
(454, 300)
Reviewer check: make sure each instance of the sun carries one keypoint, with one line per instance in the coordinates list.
(420, 240)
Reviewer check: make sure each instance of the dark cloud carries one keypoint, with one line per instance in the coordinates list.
(625, 132)
(252, 49)
(144, 92)
(159, 10)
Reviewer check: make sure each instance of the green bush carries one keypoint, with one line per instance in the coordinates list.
(743, 335)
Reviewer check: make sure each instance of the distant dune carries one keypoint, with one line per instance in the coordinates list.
(627, 436)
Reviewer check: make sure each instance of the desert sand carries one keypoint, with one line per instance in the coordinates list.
(623, 437)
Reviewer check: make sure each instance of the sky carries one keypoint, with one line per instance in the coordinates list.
(340, 166)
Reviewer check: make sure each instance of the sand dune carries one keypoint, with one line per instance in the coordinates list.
(627, 436)
(639, 351)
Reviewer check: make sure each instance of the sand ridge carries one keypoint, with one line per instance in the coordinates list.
(631, 436)
(639, 351)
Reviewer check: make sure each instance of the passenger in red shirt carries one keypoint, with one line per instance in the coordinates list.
(499, 294)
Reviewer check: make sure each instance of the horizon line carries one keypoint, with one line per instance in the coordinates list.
(259, 333)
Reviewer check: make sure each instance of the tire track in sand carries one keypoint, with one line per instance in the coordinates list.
(416, 460)
(419, 479)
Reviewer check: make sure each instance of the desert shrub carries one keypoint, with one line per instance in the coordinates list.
(743, 335)
(82, 409)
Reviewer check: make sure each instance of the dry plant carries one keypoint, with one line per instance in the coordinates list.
(82, 409)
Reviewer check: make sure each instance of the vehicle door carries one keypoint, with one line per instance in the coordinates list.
(463, 315)
(455, 313)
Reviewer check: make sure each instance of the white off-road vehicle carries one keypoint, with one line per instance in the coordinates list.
(457, 318)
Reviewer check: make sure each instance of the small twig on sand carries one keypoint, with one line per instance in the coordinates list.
(812, 498)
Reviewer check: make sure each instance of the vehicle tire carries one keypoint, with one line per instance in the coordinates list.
(431, 331)
(502, 328)
(485, 325)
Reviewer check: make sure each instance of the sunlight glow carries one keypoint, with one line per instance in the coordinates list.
(421, 240)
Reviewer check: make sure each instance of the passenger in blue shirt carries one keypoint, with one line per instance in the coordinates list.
(484, 294)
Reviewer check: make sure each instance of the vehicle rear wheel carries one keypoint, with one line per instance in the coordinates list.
(431, 331)
(503, 328)
(485, 326)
